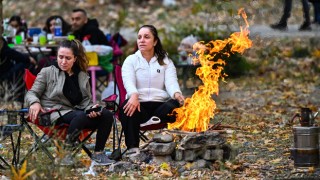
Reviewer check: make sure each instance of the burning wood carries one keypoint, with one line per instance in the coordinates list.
(197, 111)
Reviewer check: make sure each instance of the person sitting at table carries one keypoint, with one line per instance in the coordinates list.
(44, 61)
(71, 95)
(50, 24)
(19, 25)
(12, 65)
(151, 82)
(185, 49)
(83, 27)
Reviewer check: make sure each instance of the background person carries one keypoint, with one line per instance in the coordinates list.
(152, 87)
(316, 10)
(50, 25)
(82, 27)
(65, 86)
(185, 49)
(19, 25)
(287, 7)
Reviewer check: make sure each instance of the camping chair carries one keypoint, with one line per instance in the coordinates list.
(111, 102)
(8, 127)
(58, 132)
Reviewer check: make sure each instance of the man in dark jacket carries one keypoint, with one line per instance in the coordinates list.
(83, 27)
(12, 65)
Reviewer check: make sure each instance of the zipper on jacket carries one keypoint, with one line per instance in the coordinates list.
(149, 81)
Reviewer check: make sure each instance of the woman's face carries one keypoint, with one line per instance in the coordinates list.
(66, 59)
(14, 24)
(51, 26)
(146, 41)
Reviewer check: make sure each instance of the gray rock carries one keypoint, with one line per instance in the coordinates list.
(162, 148)
(230, 152)
(123, 166)
(190, 155)
(142, 157)
(161, 159)
(213, 154)
(202, 140)
(200, 164)
(163, 138)
(178, 155)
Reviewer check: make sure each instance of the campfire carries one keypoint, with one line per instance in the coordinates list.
(195, 114)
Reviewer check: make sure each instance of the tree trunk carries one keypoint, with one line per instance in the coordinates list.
(1, 26)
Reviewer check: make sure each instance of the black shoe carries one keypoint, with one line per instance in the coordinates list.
(279, 26)
(305, 27)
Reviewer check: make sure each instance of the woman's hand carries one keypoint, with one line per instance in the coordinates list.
(34, 110)
(132, 104)
(179, 97)
(94, 114)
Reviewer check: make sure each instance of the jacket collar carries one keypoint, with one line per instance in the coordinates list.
(153, 59)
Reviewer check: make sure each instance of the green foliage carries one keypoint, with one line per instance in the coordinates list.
(237, 65)
(122, 14)
(300, 52)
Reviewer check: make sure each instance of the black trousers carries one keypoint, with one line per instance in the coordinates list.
(131, 125)
(78, 121)
(287, 11)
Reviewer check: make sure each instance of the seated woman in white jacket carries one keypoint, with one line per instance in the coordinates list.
(151, 82)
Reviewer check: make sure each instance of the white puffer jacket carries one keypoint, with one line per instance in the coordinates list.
(152, 81)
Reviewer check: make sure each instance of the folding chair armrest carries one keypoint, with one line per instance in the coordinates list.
(50, 111)
(111, 98)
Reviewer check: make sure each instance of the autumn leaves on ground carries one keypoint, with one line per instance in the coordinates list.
(261, 104)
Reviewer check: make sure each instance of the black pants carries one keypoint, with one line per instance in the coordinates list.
(287, 11)
(78, 121)
(131, 125)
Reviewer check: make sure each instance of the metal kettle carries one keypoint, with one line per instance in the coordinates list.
(306, 117)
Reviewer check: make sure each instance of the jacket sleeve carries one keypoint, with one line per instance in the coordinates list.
(38, 88)
(171, 80)
(129, 75)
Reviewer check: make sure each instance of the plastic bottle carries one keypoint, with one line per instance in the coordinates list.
(58, 27)
(86, 41)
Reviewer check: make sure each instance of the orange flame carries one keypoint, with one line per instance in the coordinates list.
(197, 111)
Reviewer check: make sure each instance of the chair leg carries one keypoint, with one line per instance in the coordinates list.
(143, 137)
(36, 145)
(116, 134)
(82, 145)
(5, 162)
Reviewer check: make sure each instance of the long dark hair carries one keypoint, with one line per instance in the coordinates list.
(66, 27)
(158, 49)
(23, 27)
(78, 51)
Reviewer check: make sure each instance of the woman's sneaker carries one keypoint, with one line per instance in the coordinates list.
(102, 159)
(152, 120)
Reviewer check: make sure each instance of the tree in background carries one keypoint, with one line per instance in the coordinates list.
(1, 26)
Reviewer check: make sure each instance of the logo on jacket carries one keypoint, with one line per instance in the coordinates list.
(158, 70)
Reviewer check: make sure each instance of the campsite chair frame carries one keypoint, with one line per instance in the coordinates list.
(8, 130)
(53, 131)
(122, 93)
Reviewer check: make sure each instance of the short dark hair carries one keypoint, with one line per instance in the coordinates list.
(80, 10)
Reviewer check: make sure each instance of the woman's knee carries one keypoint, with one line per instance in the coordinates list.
(107, 116)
